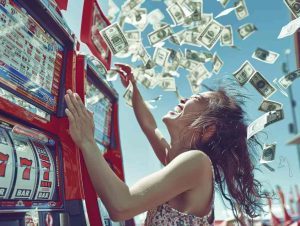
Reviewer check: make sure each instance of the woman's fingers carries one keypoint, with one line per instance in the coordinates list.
(71, 106)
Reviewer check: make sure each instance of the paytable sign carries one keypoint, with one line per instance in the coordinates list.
(30, 59)
(7, 165)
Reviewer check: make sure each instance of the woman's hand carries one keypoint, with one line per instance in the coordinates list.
(81, 122)
(126, 74)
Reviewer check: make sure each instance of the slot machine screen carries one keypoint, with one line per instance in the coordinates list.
(31, 60)
(97, 102)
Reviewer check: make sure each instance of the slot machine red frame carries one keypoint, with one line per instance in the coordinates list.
(37, 65)
(91, 74)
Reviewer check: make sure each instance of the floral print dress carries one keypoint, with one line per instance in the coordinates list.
(165, 215)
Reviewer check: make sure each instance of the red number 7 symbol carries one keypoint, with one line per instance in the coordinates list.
(46, 172)
(3, 162)
(27, 163)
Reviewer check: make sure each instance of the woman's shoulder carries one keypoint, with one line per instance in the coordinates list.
(195, 158)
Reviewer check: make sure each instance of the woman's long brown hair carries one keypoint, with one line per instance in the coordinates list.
(232, 155)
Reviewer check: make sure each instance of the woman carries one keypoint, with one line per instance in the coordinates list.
(208, 146)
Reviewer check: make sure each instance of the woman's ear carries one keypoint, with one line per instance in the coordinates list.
(208, 132)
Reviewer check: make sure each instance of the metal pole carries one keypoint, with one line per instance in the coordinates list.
(293, 106)
(295, 125)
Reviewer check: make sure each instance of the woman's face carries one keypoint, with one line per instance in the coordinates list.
(195, 104)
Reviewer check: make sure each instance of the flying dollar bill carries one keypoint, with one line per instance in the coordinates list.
(264, 121)
(294, 7)
(177, 38)
(161, 56)
(246, 30)
(223, 2)
(133, 35)
(227, 36)
(160, 35)
(167, 84)
(128, 94)
(211, 34)
(290, 28)
(176, 13)
(201, 57)
(194, 84)
(189, 65)
(261, 84)
(268, 105)
(268, 154)
(130, 5)
(190, 38)
(138, 18)
(288, 79)
(241, 10)
(265, 56)
(114, 38)
(217, 64)
(244, 73)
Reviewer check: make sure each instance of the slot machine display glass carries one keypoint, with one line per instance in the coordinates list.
(31, 60)
(98, 103)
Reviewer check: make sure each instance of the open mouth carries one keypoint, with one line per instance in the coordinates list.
(178, 109)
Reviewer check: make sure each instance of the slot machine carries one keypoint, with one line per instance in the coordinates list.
(40, 174)
(101, 98)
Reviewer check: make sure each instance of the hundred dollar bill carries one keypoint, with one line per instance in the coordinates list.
(211, 34)
(138, 18)
(288, 79)
(167, 84)
(241, 10)
(142, 53)
(268, 154)
(161, 56)
(294, 7)
(268, 105)
(114, 38)
(200, 73)
(160, 35)
(227, 36)
(244, 73)
(223, 2)
(146, 80)
(189, 65)
(201, 57)
(194, 84)
(290, 28)
(133, 35)
(176, 13)
(265, 56)
(130, 5)
(246, 30)
(262, 85)
(177, 38)
(128, 94)
(217, 64)
(190, 38)
(263, 121)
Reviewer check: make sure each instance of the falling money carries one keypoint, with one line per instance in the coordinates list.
(268, 154)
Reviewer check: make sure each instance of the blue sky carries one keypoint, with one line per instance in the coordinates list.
(268, 16)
